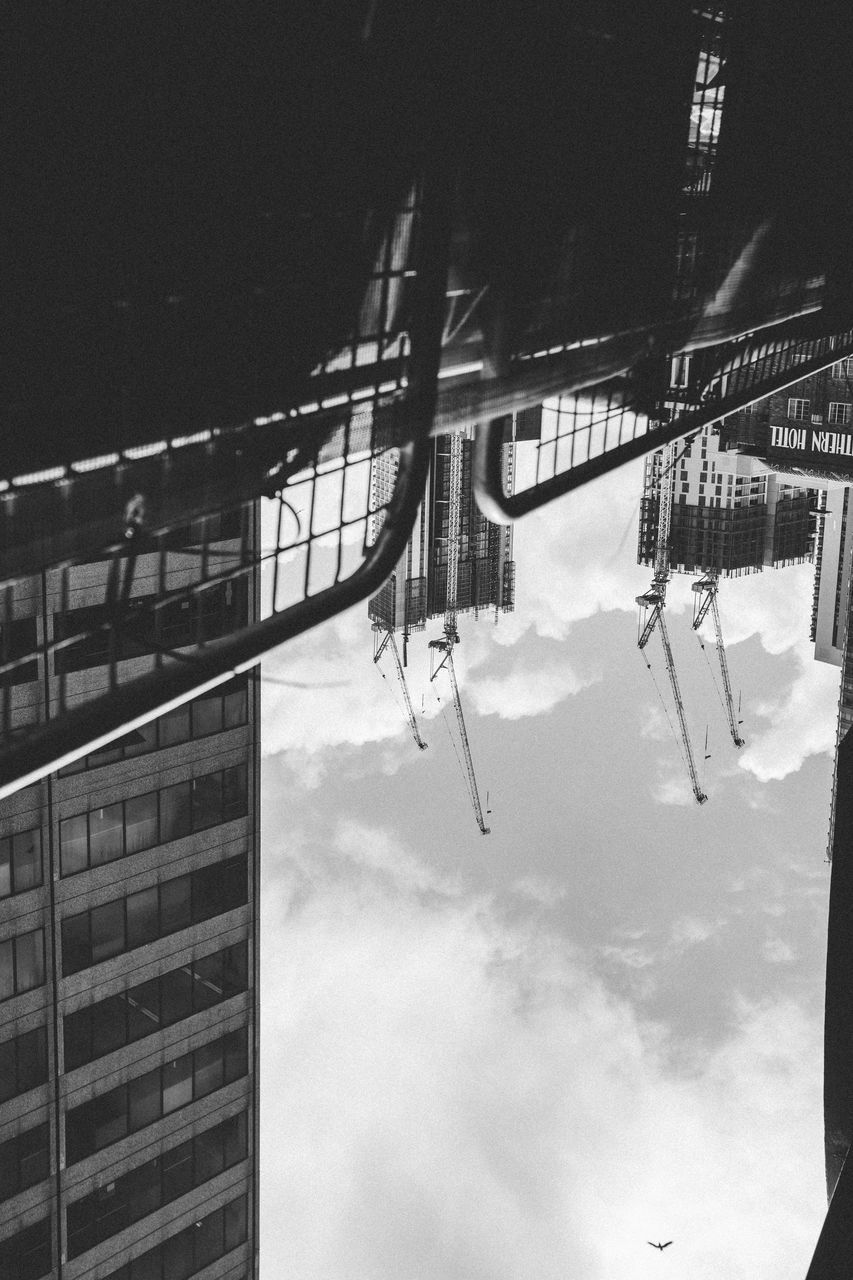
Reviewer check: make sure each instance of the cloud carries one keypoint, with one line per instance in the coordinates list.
(777, 951)
(526, 690)
(452, 1094)
(802, 722)
(674, 791)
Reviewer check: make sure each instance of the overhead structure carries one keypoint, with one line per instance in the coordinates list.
(450, 638)
(652, 606)
(379, 647)
(705, 601)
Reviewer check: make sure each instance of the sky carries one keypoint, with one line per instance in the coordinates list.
(530, 1053)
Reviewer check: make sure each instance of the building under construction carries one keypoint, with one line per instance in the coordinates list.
(417, 590)
(730, 514)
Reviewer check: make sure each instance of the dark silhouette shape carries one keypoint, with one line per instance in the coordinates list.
(659, 1246)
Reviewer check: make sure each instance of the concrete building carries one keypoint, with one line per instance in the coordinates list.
(805, 430)
(730, 513)
(486, 576)
(128, 964)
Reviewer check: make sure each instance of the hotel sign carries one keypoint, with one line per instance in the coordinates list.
(812, 440)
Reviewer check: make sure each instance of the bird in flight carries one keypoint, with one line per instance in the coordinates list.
(659, 1246)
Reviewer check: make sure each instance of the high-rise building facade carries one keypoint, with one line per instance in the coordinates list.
(128, 969)
(730, 514)
(486, 571)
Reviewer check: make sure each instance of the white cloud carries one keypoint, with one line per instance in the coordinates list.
(526, 691)
(450, 1095)
(674, 791)
(801, 723)
(777, 951)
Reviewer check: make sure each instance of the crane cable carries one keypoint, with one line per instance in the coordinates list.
(678, 743)
(713, 677)
(462, 770)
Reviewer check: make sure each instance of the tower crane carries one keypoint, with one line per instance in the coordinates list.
(706, 599)
(379, 647)
(450, 639)
(653, 603)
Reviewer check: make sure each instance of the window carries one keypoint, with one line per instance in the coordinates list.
(839, 414)
(18, 639)
(195, 1247)
(841, 368)
(798, 409)
(142, 1101)
(20, 862)
(23, 1063)
(224, 708)
(21, 964)
(27, 1255)
(24, 1160)
(128, 826)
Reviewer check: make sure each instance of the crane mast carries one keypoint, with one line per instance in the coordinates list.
(451, 636)
(653, 603)
(388, 642)
(706, 599)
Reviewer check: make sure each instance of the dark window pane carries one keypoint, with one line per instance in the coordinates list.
(177, 1255)
(26, 857)
(143, 922)
(236, 1055)
(76, 952)
(5, 867)
(140, 1191)
(207, 801)
(176, 993)
(144, 1099)
(177, 1083)
(141, 740)
(34, 1155)
(32, 1058)
(177, 1171)
(77, 1038)
(236, 707)
(108, 1116)
(207, 715)
(79, 1135)
(209, 1154)
(107, 930)
(236, 1222)
(175, 726)
(175, 811)
(236, 969)
(8, 1070)
(175, 905)
(147, 1267)
(29, 960)
(208, 1068)
(208, 1239)
(109, 1026)
(7, 969)
(207, 985)
(219, 888)
(235, 793)
(235, 1139)
(73, 841)
(140, 814)
(143, 1009)
(106, 834)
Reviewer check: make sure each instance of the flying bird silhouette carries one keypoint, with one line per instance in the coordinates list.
(659, 1246)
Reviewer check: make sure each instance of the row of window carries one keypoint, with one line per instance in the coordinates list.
(149, 1006)
(21, 964)
(192, 1249)
(28, 1254)
(158, 1182)
(128, 826)
(20, 862)
(147, 1098)
(838, 413)
(224, 708)
(23, 1063)
(126, 923)
(189, 620)
(24, 1161)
